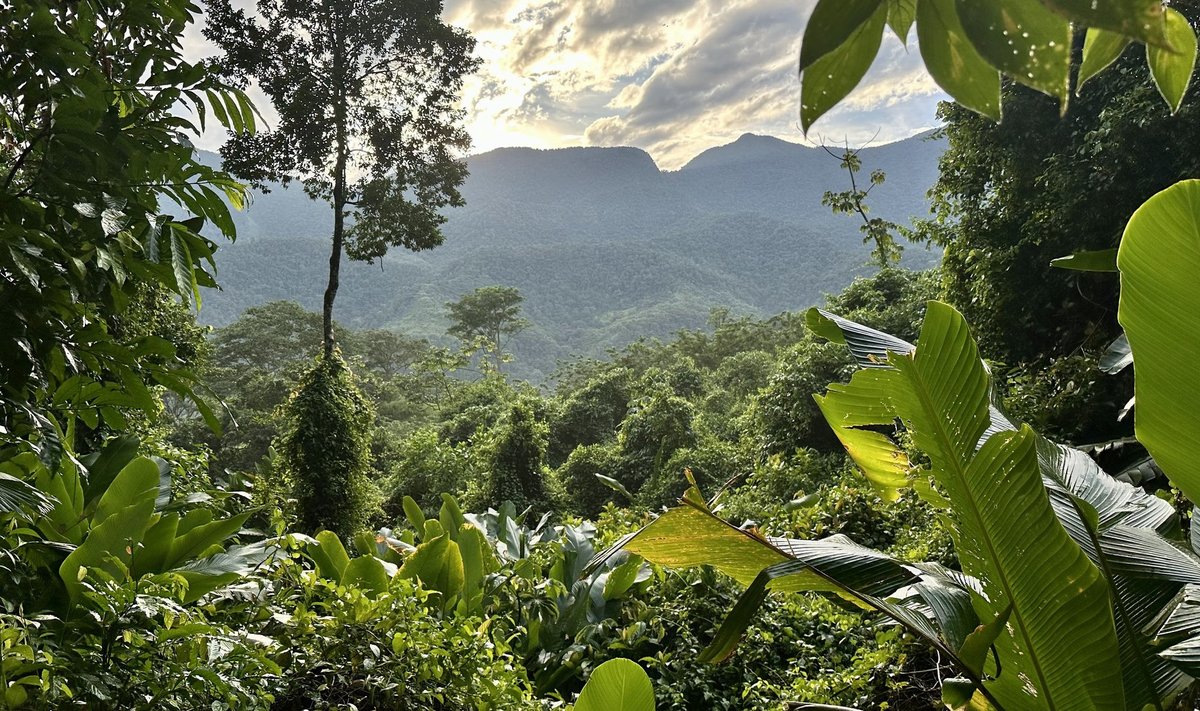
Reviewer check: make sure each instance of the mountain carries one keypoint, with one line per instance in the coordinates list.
(605, 247)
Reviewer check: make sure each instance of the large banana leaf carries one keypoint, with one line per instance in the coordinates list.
(933, 603)
(1076, 482)
(1159, 261)
(1059, 649)
(122, 516)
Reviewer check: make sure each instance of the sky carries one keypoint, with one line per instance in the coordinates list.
(673, 77)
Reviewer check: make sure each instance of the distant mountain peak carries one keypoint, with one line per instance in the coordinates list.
(748, 148)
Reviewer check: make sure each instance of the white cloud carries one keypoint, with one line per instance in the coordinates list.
(671, 76)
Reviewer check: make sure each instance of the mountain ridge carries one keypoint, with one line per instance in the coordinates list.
(605, 246)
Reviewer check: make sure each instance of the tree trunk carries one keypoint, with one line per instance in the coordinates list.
(339, 194)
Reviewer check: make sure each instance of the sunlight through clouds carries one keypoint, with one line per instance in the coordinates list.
(673, 77)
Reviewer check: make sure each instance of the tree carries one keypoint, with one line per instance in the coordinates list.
(326, 448)
(488, 313)
(854, 202)
(516, 457)
(365, 91)
(91, 158)
(1011, 197)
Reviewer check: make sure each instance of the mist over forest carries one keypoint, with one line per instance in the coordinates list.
(605, 247)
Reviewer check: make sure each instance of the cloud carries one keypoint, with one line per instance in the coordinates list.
(671, 76)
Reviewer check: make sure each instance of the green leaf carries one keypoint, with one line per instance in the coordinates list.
(121, 519)
(1100, 49)
(477, 561)
(1172, 68)
(438, 564)
(1024, 40)
(451, 516)
(330, 555)
(617, 685)
(1117, 357)
(1139, 19)
(416, 517)
(1007, 534)
(16, 494)
(901, 16)
(831, 25)
(217, 571)
(868, 346)
(829, 79)
(1159, 259)
(953, 61)
(1101, 260)
(614, 485)
(367, 573)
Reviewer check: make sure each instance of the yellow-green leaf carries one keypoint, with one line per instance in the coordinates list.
(1172, 70)
(1100, 49)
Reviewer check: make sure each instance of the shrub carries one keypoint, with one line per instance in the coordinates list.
(590, 415)
(785, 414)
(712, 462)
(656, 427)
(588, 495)
(424, 466)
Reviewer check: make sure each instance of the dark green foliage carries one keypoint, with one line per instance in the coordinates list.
(473, 409)
(325, 446)
(786, 417)
(387, 652)
(424, 466)
(1014, 195)
(1070, 399)
(712, 463)
(658, 424)
(589, 495)
(515, 461)
(102, 201)
(591, 414)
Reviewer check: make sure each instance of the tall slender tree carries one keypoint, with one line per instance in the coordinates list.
(488, 313)
(366, 93)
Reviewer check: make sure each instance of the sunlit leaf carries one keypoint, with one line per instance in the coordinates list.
(1100, 49)
(832, 24)
(1139, 19)
(1172, 68)
(953, 61)
(1159, 259)
(1023, 39)
(1101, 260)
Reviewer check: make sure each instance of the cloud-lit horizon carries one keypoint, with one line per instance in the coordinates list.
(673, 77)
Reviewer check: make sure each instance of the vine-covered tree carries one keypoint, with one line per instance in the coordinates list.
(516, 460)
(489, 313)
(365, 91)
(326, 448)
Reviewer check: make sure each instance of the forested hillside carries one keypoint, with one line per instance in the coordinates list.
(604, 246)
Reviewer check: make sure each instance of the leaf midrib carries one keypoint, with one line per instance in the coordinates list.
(957, 469)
